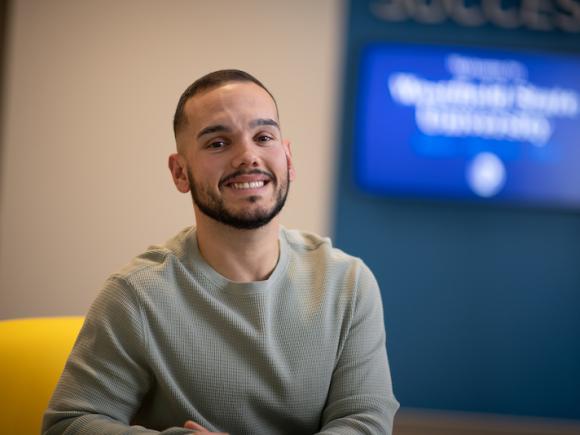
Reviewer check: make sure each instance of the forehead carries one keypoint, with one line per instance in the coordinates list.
(234, 101)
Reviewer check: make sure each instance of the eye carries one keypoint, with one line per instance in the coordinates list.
(264, 138)
(216, 144)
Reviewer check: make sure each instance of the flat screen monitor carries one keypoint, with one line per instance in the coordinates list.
(469, 123)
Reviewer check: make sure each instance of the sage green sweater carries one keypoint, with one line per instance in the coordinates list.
(169, 339)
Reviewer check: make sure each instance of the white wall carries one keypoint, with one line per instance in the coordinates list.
(90, 91)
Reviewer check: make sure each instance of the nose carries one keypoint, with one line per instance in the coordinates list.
(246, 154)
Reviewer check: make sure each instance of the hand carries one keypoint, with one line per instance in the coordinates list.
(199, 429)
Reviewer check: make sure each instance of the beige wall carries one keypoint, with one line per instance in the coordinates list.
(89, 93)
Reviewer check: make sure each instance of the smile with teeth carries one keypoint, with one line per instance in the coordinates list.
(249, 185)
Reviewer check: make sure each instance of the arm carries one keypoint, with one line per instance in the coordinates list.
(106, 375)
(360, 399)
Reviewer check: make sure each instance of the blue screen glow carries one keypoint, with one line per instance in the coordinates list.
(456, 122)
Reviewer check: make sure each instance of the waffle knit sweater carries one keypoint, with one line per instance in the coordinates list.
(169, 339)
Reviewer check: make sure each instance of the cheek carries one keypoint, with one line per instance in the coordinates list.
(204, 173)
(280, 170)
(281, 161)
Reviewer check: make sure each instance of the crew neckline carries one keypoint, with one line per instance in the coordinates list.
(223, 284)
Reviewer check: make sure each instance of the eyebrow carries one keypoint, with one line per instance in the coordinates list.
(219, 128)
(264, 121)
(213, 129)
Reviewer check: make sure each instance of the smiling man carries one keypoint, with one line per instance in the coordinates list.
(236, 325)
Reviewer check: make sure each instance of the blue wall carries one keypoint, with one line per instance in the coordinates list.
(481, 302)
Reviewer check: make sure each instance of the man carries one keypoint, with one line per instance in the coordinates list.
(237, 325)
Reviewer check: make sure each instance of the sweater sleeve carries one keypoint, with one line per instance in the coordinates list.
(106, 376)
(360, 399)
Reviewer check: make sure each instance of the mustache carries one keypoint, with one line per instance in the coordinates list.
(246, 172)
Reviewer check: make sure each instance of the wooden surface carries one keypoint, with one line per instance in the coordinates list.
(422, 422)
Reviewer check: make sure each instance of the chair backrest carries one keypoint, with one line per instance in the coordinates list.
(32, 355)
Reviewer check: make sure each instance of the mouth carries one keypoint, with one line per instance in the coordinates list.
(245, 181)
(248, 185)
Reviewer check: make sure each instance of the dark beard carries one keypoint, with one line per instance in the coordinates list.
(215, 208)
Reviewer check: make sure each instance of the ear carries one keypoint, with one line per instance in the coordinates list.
(178, 168)
(288, 151)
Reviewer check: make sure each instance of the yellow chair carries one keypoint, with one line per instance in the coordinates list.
(32, 355)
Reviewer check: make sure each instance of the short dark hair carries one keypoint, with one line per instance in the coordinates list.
(209, 81)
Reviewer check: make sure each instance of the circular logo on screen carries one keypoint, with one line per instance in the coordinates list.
(486, 175)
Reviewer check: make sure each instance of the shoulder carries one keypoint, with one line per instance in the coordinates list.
(303, 243)
(157, 258)
(153, 272)
(147, 277)
(304, 240)
(312, 252)
(341, 285)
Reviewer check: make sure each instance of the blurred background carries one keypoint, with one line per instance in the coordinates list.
(480, 282)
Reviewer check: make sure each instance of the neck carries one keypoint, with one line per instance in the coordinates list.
(238, 255)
